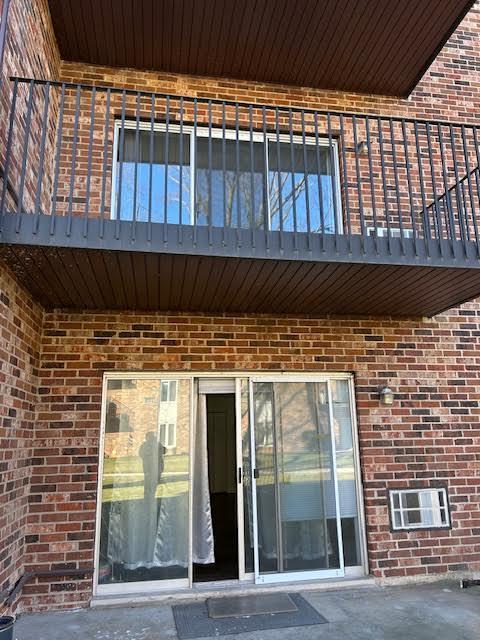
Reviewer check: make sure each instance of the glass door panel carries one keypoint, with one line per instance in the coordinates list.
(298, 534)
(145, 484)
(345, 461)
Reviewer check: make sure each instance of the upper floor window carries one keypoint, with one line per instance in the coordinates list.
(197, 176)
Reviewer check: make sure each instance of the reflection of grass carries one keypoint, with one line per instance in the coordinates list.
(305, 467)
(167, 489)
(133, 464)
(123, 477)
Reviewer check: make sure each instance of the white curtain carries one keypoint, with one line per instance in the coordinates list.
(150, 531)
(203, 545)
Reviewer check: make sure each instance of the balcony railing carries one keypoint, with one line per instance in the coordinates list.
(88, 165)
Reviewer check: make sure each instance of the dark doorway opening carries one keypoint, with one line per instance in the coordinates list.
(222, 474)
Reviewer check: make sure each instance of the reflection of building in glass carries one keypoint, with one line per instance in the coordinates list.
(167, 414)
(140, 406)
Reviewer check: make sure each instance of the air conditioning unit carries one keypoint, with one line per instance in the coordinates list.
(395, 232)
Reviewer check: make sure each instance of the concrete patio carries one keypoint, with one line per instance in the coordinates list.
(439, 611)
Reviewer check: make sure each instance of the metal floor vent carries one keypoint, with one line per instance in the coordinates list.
(194, 621)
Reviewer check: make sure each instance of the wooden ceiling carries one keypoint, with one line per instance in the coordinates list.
(98, 279)
(368, 46)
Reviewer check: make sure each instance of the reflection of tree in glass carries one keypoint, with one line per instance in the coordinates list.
(234, 199)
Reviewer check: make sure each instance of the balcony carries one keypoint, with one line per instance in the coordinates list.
(112, 198)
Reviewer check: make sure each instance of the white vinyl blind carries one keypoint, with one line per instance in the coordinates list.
(216, 385)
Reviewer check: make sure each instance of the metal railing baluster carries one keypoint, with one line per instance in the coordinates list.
(167, 150)
(8, 152)
(41, 161)
(320, 186)
(135, 166)
(425, 225)
(384, 184)
(448, 201)
(305, 172)
(409, 184)
(397, 187)
(462, 220)
(470, 190)
(193, 165)
(105, 161)
(23, 170)
(74, 161)
(477, 172)
(265, 190)
(438, 221)
(252, 175)
(279, 177)
(237, 174)
(89, 162)
(224, 175)
(58, 148)
(180, 174)
(333, 175)
(151, 156)
(121, 153)
(359, 188)
(210, 171)
(372, 185)
(292, 179)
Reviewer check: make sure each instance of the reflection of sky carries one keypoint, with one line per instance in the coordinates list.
(233, 201)
(154, 203)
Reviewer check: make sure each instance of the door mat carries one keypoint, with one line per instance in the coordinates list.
(254, 605)
(193, 621)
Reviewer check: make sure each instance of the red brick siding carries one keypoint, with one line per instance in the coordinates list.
(30, 49)
(20, 329)
(430, 434)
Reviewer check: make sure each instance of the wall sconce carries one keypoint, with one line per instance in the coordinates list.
(362, 148)
(386, 396)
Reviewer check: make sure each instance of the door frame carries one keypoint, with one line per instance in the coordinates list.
(165, 585)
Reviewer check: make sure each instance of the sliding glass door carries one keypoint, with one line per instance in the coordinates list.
(297, 525)
(298, 499)
(143, 531)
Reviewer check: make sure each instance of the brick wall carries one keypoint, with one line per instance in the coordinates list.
(430, 435)
(20, 329)
(30, 49)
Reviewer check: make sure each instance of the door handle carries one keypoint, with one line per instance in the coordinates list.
(240, 475)
(256, 474)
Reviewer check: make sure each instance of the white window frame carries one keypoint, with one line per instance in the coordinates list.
(436, 509)
(228, 134)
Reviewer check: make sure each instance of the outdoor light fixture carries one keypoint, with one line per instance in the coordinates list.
(386, 396)
(362, 148)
